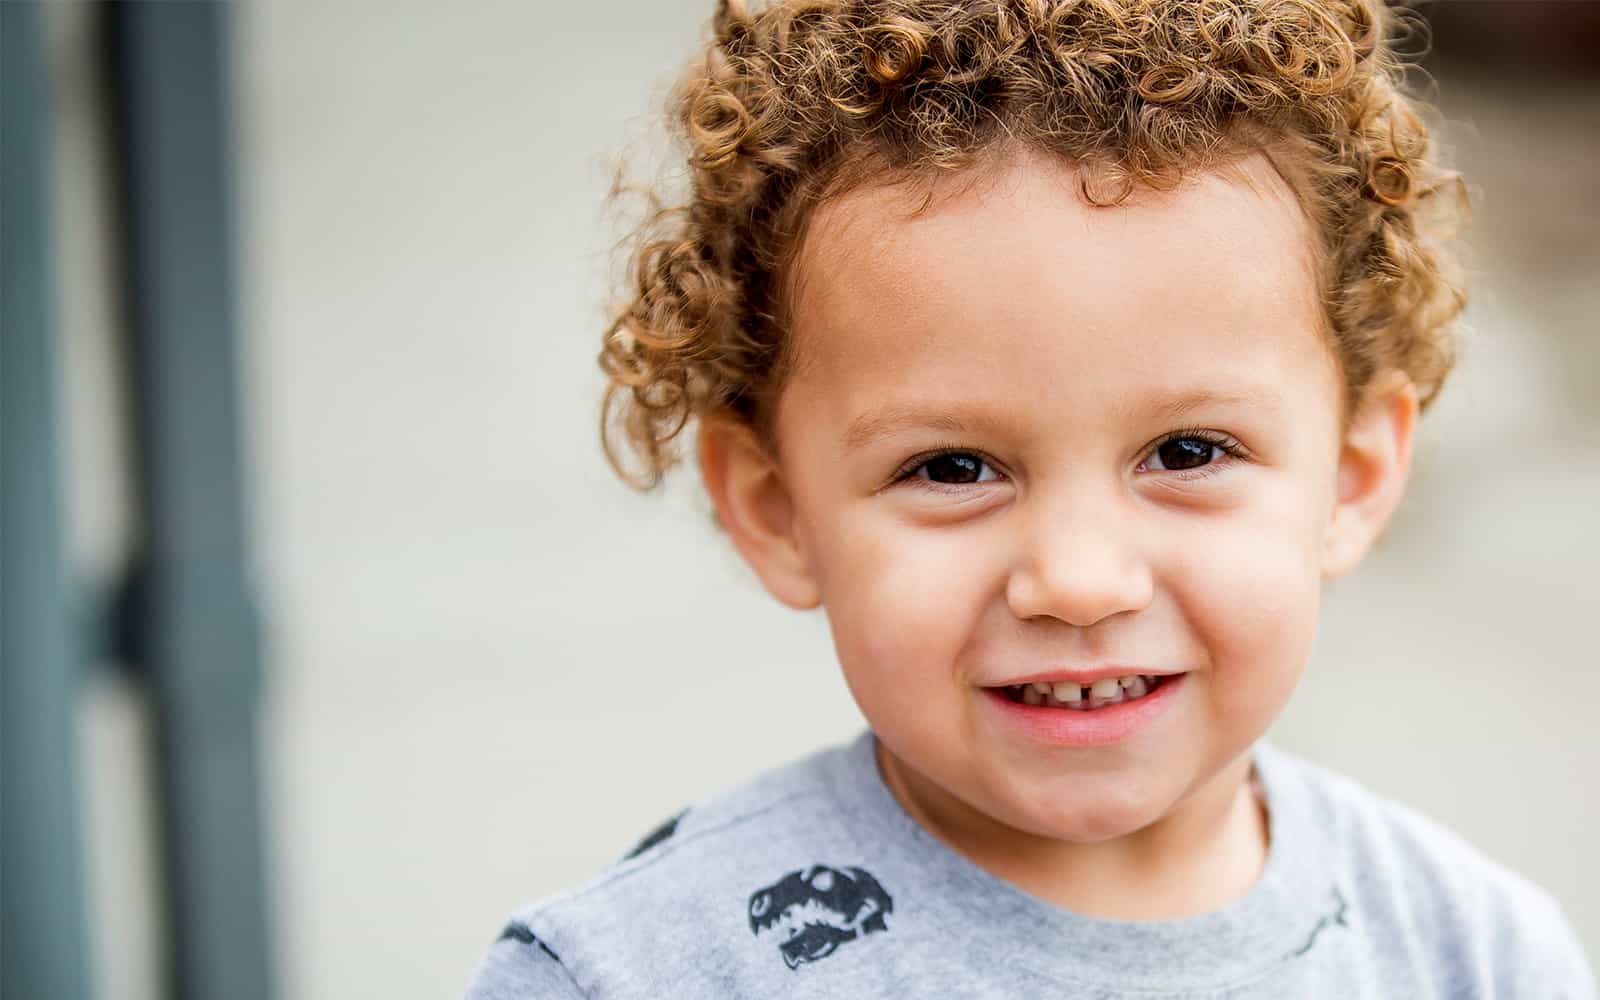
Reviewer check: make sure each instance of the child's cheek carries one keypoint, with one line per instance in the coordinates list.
(903, 600)
(1251, 596)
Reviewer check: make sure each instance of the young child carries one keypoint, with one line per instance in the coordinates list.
(1060, 350)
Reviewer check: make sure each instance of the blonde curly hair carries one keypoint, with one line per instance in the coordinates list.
(803, 99)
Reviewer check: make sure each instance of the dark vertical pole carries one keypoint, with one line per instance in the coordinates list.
(194, 619)
(43, 949)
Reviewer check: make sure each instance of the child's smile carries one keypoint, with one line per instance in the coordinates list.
(1063, 478)
(1071, 712)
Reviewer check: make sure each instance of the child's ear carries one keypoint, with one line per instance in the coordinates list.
(755, 509)
(1374, 463)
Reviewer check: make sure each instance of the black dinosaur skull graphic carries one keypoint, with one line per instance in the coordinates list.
(814, 911)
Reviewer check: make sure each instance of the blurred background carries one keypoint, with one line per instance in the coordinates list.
(328, 636)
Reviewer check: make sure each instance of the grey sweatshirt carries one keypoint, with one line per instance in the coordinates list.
(812, 881)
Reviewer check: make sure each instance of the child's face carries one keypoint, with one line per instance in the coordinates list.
(1143, 472)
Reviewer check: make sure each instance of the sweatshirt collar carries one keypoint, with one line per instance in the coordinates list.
(1273, 923)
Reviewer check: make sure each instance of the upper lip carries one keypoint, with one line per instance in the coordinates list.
(1086, 675)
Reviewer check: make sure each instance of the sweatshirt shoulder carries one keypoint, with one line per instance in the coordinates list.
(1378, 838)
(784, 803)
(1434, 888)
(787, 802)
(683, 894)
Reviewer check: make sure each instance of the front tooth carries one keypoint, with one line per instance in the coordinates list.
(1135, 686)
(1041, 687)
(1106, 687)
(1068, 692)
(1031, 695)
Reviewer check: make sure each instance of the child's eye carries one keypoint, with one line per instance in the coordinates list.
(1181, 453)
(1189, 450)
(954, 468)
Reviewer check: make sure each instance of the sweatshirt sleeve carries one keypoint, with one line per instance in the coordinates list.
(519, 966)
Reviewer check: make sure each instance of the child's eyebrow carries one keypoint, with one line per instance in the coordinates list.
(886, 420)
(1177, 406)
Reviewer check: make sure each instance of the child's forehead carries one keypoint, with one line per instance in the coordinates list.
(1016, 259)
(892, 213)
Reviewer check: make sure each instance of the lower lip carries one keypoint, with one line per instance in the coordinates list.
(1086, 727)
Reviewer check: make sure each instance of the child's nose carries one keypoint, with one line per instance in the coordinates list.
(1080, 565)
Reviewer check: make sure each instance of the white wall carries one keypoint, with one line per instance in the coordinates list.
(492, 667)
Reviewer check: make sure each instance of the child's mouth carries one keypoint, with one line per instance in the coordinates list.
(1084, 697)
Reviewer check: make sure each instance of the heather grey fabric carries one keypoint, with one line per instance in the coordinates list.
(811, 881)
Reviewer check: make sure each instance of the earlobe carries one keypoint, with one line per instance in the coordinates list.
(1374, 464)
(754, 507)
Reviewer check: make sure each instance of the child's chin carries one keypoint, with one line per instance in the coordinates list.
(1091, 815)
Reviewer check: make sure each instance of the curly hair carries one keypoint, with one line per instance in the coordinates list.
(804, 99)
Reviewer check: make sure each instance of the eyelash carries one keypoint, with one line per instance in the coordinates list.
(1225, 443)
(908, 468)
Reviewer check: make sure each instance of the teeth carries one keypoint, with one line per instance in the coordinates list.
(1105, 688)
(1066, 694)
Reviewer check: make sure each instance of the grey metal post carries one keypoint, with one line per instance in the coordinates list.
(43, 948)
(194, 618)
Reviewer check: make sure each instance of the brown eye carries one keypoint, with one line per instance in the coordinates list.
(955, 468)
(1185, 453)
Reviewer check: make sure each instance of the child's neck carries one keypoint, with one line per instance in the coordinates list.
(1203, 855)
